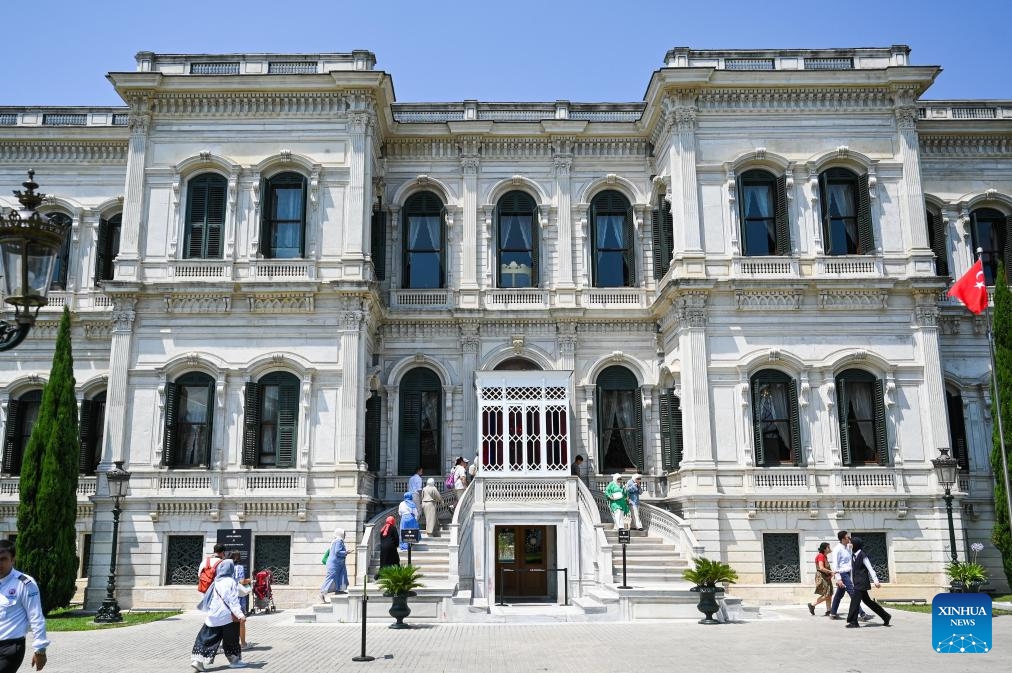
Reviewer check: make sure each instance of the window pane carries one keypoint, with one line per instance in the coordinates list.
(515, 269)
(986, 227)
(609, 232)
(758, 239)
(269, 425)
(841, 199)
(515, 232)
(861, 421)
(774, 419)
(192, 424)
(288, 203)
(758, 201)
(429, 431)
(424, 271)
(423, 233)
(287, 240)
(610, 269)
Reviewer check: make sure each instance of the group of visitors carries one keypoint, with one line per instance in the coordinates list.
(624, 500)
(225, 604)
(852, 573)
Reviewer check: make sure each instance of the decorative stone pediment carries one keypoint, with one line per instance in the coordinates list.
(282, 302)
(197, 303)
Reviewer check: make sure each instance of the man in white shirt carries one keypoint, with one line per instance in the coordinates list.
(842, 564)
(20, 607)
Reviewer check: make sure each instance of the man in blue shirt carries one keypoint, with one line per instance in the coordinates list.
(20, 606)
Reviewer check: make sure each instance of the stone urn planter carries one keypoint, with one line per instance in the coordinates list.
(399, 610)
(708, 603)
(705, 575)
(398, 582)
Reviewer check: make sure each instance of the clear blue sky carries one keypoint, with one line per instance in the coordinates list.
(57, 52)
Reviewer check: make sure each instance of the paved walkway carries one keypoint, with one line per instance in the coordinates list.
(789, 639)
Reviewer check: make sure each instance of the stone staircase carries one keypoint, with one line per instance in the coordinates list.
(431, 556)
(649, 561)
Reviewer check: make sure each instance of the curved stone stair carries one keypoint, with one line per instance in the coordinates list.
(649, 560)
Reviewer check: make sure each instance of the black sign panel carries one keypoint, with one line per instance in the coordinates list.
(237, 539)
(411, 535)
(624, 536)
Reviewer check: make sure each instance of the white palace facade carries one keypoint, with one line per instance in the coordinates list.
(289, 291)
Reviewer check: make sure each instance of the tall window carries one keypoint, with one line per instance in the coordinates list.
(957, 428)
(90, 428)
(421, 402)
(989, 231)
(861, 409)
(188, 418)
(205, 216)
(619, 420)
(21, 416)
(270, 434)
(612, 241)
(846, 213)
(775, 420)
(378, 243)
(107, 247)
(424, 242)
(938, 240)
(62, 261)
(283, 234)
(765, 229)
(517, 241)
(671, 430)
(662, 235)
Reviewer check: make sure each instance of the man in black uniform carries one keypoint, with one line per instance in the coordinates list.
(20, 606)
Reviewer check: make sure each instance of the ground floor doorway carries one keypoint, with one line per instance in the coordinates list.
(524, 563)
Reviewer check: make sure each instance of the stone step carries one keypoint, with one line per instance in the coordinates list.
(590, 606)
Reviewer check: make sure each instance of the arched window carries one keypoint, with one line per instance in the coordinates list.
(775, 419)
(90, 428)
(846, 213)
(762, 199)
(611, 235)
(62, 261)
(860, 400)
(283, 232)
(205, 216)
(619, 420)
(107, 247)
(421, 404)
(424, 241)
(21, 416)
(989, 231)
(270, 434)
(957, 428)
(189, 413)
(662, 236)
(517, 241)
(671, 430)
(938, 240)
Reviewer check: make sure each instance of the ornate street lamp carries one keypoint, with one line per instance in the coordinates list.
(29, 244)
(118, 480)
(946, 468)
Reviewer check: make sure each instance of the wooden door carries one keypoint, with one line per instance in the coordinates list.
(521, 562)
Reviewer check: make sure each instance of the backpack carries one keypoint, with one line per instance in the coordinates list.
(206, 577)
(450, 481)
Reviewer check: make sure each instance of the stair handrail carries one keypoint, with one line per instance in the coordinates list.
(461, 546)
(671, 528)
(370, 540)
(596, 542)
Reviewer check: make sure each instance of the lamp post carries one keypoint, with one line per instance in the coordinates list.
(118, 480)
(945, 468)
(29, 244)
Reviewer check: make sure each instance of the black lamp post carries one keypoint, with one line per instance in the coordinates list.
(118, 480)
(29, 244)
(945, 468)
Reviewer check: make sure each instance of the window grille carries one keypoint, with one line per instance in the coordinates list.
(829, 64)
(182, 563)
(292, 67)
(120, 119)
(64, 119)
(974, 113)
(274, 553)
(748, 64)
(876, 549)
(8, 119)
(782, 558)
(214, 68)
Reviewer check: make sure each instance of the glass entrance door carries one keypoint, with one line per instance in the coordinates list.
(521, 563)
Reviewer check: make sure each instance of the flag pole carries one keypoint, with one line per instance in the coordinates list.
(997, 403)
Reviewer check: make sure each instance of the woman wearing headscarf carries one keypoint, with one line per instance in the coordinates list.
(617, 501)
(389, 539)
(337, 572)
(430, 498)
(632, 492)
(221, 623)
(408, 514)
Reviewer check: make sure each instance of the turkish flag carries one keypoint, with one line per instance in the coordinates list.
(971, 289)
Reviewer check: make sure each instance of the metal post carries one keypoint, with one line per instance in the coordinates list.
(500, 588)
(565, 584)
(109, 612)
(952, 531)
(625, 584)
(365, 616)
(409, 553)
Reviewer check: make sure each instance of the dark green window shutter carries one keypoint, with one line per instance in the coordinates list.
(266, 204)
(86, 435)
(414, 385)
(12, 448)
(535, 249)
(795, 422)
(663, 237)
(378, 246)
(841, 411)
(665, 419)
(637, 451)
(676, 432)
(169, 437)
(252, 394)
(373, 430)
(629, 256)
(757, 426)
(103, 263)
(660, 265)
(196, 215)
(865, 232)
(780, 213)
(210, 421)
(881, 431)
(215, 216)
(288, 418)
(939, 246)
(824, 208)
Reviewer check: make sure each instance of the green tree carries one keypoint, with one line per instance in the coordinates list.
(46, 544)
(1002, 334)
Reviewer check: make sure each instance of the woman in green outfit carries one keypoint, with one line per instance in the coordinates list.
(617, 500)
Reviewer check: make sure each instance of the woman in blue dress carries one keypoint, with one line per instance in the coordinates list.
(337, 571)
(409, 516)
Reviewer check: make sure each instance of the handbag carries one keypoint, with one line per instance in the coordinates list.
(326, 555)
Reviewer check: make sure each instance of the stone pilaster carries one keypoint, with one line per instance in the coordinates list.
(682, 114)
(388, 459)
(351, 437)
(695, 382)
(469, 165)
(469, 346)
(359, 210)
(913, 204)
(933, 412)
(128, 259)
(120, 358)
(563, 164)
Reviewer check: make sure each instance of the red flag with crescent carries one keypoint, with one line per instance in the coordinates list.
(971, 289)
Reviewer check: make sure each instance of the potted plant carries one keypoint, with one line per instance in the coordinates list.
(966, 577)
(705, 575)
(399, 582)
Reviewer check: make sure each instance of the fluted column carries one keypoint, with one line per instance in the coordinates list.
(906, 127)
(933, 415)
(351, 437)
(698, 449)
(359, 209)
(469, 344)
(117, 420)
(683, 112)
(128, 259)
(388, 460)
(563, 164)
(469, 165)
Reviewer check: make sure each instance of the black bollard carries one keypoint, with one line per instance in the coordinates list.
(365, 616)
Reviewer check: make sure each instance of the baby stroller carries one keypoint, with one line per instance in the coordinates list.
(263, 595)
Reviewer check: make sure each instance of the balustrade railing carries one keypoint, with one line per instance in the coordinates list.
(421, 299)
(461, 544)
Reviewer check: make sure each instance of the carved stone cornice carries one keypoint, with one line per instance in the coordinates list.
(197, 303)
(98, 329)
(965, 146)
(809, 99)
(762, 300)
(250, 103)
(282, 302)
(853, 299)
(60, 152)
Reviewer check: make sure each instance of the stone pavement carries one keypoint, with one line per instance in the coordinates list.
(787, 639)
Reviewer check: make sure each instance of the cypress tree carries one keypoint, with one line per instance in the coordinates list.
(1002, 334)
(46, 543)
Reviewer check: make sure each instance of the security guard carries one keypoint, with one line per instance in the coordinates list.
(20, 605)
